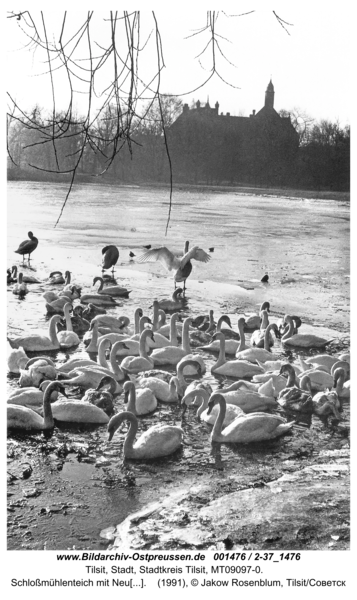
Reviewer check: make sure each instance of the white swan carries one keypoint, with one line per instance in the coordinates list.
(21, 417)
(171, 355)
(231, 346)
(159, 440)
(164, 392)
(201, 397)
(36, 342)
(233, 368)
(260, 355)
(253, 321)
(140, 402)
(258, 336)
(341, 386)
(31, 396)
(301, 340)
(37, 370)
(135, 364)
(111, 290)
(77, 411)
(68, 338)
(254, 427)
(20, 288)
(322, 360)
(265, 389)
(16, 360)
(172, 262)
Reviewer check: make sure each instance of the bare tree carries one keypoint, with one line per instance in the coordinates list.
(108, 71)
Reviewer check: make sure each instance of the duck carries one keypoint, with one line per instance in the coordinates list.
(202, 397)
(20, 288)
(24, 418)
(233, 368)
(103, 398)
(31, 396)
(135, 364)
(177, 301)
(28, 246)
(231, 346)
(246, 428)
(110, 256)
(261, 355)
(16, 360)
(252, 321)
(37, 370)
(37, 342)
(258, 336)
(174, 263)
(157, 441)
(341, 387)
(68, 338)
(140, 402)
(163, 391)
(301, 340)
(111, 290)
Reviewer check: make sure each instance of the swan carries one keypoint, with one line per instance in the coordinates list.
(184, 272)
(56, 278)
(321, 360)
(90, 311)
(261, 355)
(283, 327)
(111, 290)
(177, 301)
(16, 360)
(31, 396)
(110, 258)
(20, 288)
(202, 396)
(319, 379)
(135, 364)
(36, 342)
(117, 324)
(98, 299)
(141, 402)
(171, 355)
(28, 246)
(79, 324)
(233, 368)
(293, 397)
(301, 340)
(37, 370)
(253, 321)
(101, 397)
(83, 361)
(172, 262)
(180, 382)
(67, 338)
(231, 346)
(248, 400)
(265, 389)
(77, 411)
(159, 440)
(258, 336)
(55, 303)
(342, 389)
(12, 275)
(21, 417)
(255, 427)
(344, 356)
(205, 322)
(164, 392)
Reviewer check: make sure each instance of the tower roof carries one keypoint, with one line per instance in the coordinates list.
(270, 87)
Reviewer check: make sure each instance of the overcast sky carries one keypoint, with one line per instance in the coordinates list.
(309, 68)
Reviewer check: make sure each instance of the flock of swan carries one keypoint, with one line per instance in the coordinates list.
(119, 378)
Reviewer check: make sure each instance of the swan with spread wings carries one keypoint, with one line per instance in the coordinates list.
(180, 264)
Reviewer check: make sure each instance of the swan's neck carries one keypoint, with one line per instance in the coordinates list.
(217, 427)
(94, 341)
(137, 321)
(68, 319)
(265, 319)
(339, 384)
(173, 331)
(204, 395)
(290, 330)
(68, 278)
(155, 317)
(142, 344)
(222, 354)
(173, 388)
(291, 379)
(52, 333)
(131, 407)
(186, 337)
(180, 375)
(242, 345)
(219, 324)
(117, 371)
(101, 356)
(266, 338)
(48, 422)
(101, 283)
(130, 436)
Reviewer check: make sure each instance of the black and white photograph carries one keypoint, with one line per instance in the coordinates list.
(178, 285)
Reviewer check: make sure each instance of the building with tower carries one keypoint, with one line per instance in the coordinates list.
(213, 146)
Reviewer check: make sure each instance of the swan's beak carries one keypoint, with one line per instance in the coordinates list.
(110, 435)
(209, 409)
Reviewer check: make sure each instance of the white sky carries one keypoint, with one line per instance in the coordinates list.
(310, 68)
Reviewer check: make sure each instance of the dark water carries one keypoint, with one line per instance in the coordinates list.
(305, 241)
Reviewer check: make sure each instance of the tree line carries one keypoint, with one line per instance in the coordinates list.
(42, 147)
